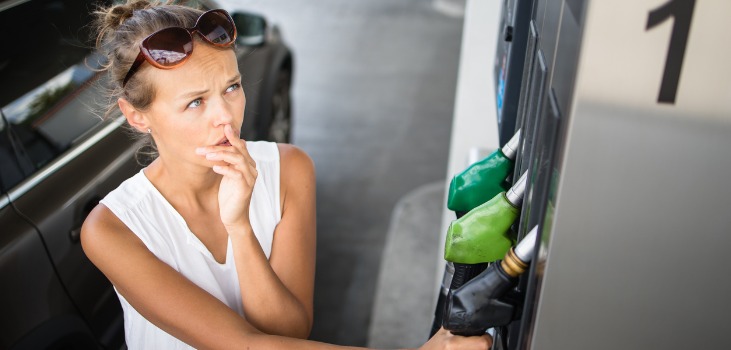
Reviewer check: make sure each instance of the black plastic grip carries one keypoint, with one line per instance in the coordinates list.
(463, 273)
(479, 304)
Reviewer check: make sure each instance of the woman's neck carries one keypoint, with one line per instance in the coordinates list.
(188, 185)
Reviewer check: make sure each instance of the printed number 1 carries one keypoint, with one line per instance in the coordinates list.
(682, 12)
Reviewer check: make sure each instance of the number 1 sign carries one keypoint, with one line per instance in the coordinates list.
(682, 12)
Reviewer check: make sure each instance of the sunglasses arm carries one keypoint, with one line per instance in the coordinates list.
(135, 66)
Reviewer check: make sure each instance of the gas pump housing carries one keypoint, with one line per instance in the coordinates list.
(625, 108)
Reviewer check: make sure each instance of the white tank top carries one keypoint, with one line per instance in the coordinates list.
(139, 205)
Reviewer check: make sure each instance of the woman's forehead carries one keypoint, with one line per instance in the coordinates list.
(207, 67)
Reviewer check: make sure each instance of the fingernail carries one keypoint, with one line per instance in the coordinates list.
(200, 150)
(210, 155)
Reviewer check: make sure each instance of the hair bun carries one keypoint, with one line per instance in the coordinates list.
(109, 19)
(117, 14)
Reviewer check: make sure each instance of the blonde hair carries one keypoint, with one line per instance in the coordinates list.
(121, 28)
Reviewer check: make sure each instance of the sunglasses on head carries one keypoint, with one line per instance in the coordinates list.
(170, 47)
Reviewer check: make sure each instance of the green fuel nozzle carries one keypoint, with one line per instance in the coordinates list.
(477, 238)
(481, 235)
(482, 180)
(480, 303)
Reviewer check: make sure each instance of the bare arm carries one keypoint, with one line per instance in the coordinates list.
(165, 297)
(277, 293)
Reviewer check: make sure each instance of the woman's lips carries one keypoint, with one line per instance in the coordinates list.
(224, 143)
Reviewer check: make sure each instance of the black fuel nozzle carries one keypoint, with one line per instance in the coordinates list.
(484, 301)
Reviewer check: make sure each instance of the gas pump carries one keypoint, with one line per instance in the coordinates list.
(653, 85)
(509, 63)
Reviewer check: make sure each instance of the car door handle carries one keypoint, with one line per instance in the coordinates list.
(75, 234)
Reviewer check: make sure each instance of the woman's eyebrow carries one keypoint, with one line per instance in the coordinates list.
(187, 95)
(191, 94)
(235, 78)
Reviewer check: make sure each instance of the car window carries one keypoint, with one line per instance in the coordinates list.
(11, 168)
(47, 82)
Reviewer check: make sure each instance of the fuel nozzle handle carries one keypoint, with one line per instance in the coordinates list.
(480, 304)
(482, 235)
(511, 148)
(483, 179)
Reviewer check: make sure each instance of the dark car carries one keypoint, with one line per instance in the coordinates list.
(58, 158)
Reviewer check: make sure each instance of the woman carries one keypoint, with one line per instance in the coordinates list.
(215, 228)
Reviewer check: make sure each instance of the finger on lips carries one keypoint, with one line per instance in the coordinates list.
(228, 131)
(217, 151)
(235, 140)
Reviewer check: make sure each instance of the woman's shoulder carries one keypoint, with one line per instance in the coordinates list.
(105, 218)
(294, 160)
(103, 230)
(297, 169)
(133, 198)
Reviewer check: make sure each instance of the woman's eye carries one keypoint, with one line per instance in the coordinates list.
(233, 87)
(195, 103)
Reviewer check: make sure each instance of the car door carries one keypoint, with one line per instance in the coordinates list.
(31, 297)
(88, 159)
(34, 301)
(59, 200)
(67, 157)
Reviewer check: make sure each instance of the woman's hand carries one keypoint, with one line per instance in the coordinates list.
(239, 175)
(446, 340)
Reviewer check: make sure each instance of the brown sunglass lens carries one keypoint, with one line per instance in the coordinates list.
(216, 27)
(169, 46)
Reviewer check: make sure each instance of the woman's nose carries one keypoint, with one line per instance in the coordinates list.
(223, 114)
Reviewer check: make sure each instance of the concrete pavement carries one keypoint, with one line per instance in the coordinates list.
(403, 308)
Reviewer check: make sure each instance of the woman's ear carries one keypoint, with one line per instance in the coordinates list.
(134, 117)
